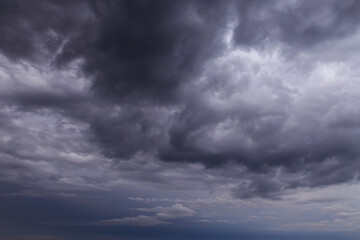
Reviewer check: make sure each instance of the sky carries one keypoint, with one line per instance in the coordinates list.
(169, 119)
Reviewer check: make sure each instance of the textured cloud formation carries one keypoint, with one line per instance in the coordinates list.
(175, 211)
(155, 89)
(164, 44)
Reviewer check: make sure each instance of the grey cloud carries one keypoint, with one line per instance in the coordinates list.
(301, 24)
(163, 46)
(341, 217)
(164, 84)
(32, 29)
(259, 187)
(140, 220)
(322, 200)
(175, 211)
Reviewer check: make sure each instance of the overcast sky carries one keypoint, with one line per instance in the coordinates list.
(187, 119)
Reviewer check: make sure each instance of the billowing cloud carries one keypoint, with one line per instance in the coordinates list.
(149, 59)
(214, 115)
(258, 97)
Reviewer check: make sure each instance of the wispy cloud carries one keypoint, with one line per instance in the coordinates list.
(162, 213)
(140, 220)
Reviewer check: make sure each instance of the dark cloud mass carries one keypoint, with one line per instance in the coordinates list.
(184, 82)
(36, 27)
(146, 49)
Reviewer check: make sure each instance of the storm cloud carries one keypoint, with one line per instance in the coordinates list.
(147, 86)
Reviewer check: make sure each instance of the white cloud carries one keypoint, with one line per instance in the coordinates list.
(175, 211)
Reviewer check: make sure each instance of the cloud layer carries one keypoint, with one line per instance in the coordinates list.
(260, 95)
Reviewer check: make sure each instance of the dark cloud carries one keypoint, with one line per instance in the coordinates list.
(146, 49)
(32, 29)
(183, 82)
(259, 187)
